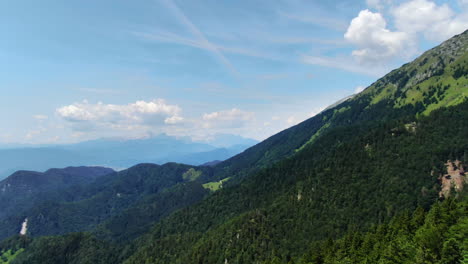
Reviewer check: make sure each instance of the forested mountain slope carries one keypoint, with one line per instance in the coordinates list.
(349, 179)
(349, 169)
(83, 207)
(372, 157)
(438, 236)
(22, 188)
(437, 78)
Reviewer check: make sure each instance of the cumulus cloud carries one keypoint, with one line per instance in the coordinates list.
(368, 31)
(86, 115)
(436, 22)
(378, 44)
(233, 118)
(146, 118)
(173, 120)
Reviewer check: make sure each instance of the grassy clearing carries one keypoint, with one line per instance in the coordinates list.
(314, 136)
(8, 256)
(385, 93)
(191, 174)
(214, 186)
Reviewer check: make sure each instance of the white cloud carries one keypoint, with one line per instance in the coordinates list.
(153, 113)
(378, 47)
(359, 89)
(234, 118)
(316, 111)
(418, 15)
(173, 120)
(377, 44)
(292, 120)
(436, 22)
(146, 118)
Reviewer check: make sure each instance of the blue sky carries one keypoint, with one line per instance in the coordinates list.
(79, 70)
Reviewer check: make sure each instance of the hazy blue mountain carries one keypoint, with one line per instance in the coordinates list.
(228, 140)
(120, 153)
(207, 156)
(39, 159)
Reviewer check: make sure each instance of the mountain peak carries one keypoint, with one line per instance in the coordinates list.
(435, 79)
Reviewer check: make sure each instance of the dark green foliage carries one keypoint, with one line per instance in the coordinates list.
(348, 180)
(15, 243)
(71, 249)
(460, 71)
(22, 188)
(84, 207)
(137, 220)
(440, 238)
(269, 151)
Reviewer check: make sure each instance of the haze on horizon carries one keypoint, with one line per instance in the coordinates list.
(76, 71)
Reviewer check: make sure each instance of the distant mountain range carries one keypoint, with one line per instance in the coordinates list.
(119, 153)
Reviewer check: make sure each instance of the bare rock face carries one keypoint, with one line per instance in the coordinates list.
(24, 227)
(455, 178)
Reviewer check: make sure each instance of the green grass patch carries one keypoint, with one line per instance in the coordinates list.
(342, 109)
(214, 186)
(447, 89)
(191, 174)
(8, 256)
(315, 136)
(385, 93)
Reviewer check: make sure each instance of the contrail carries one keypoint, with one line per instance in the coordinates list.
(201, 37)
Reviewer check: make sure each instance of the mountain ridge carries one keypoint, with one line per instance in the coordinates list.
(120, 153)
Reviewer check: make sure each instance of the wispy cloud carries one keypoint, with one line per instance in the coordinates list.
(344, 63)
(306, 40)
(330, 23)
(169, 37)
(201, 39)
(276, 76)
